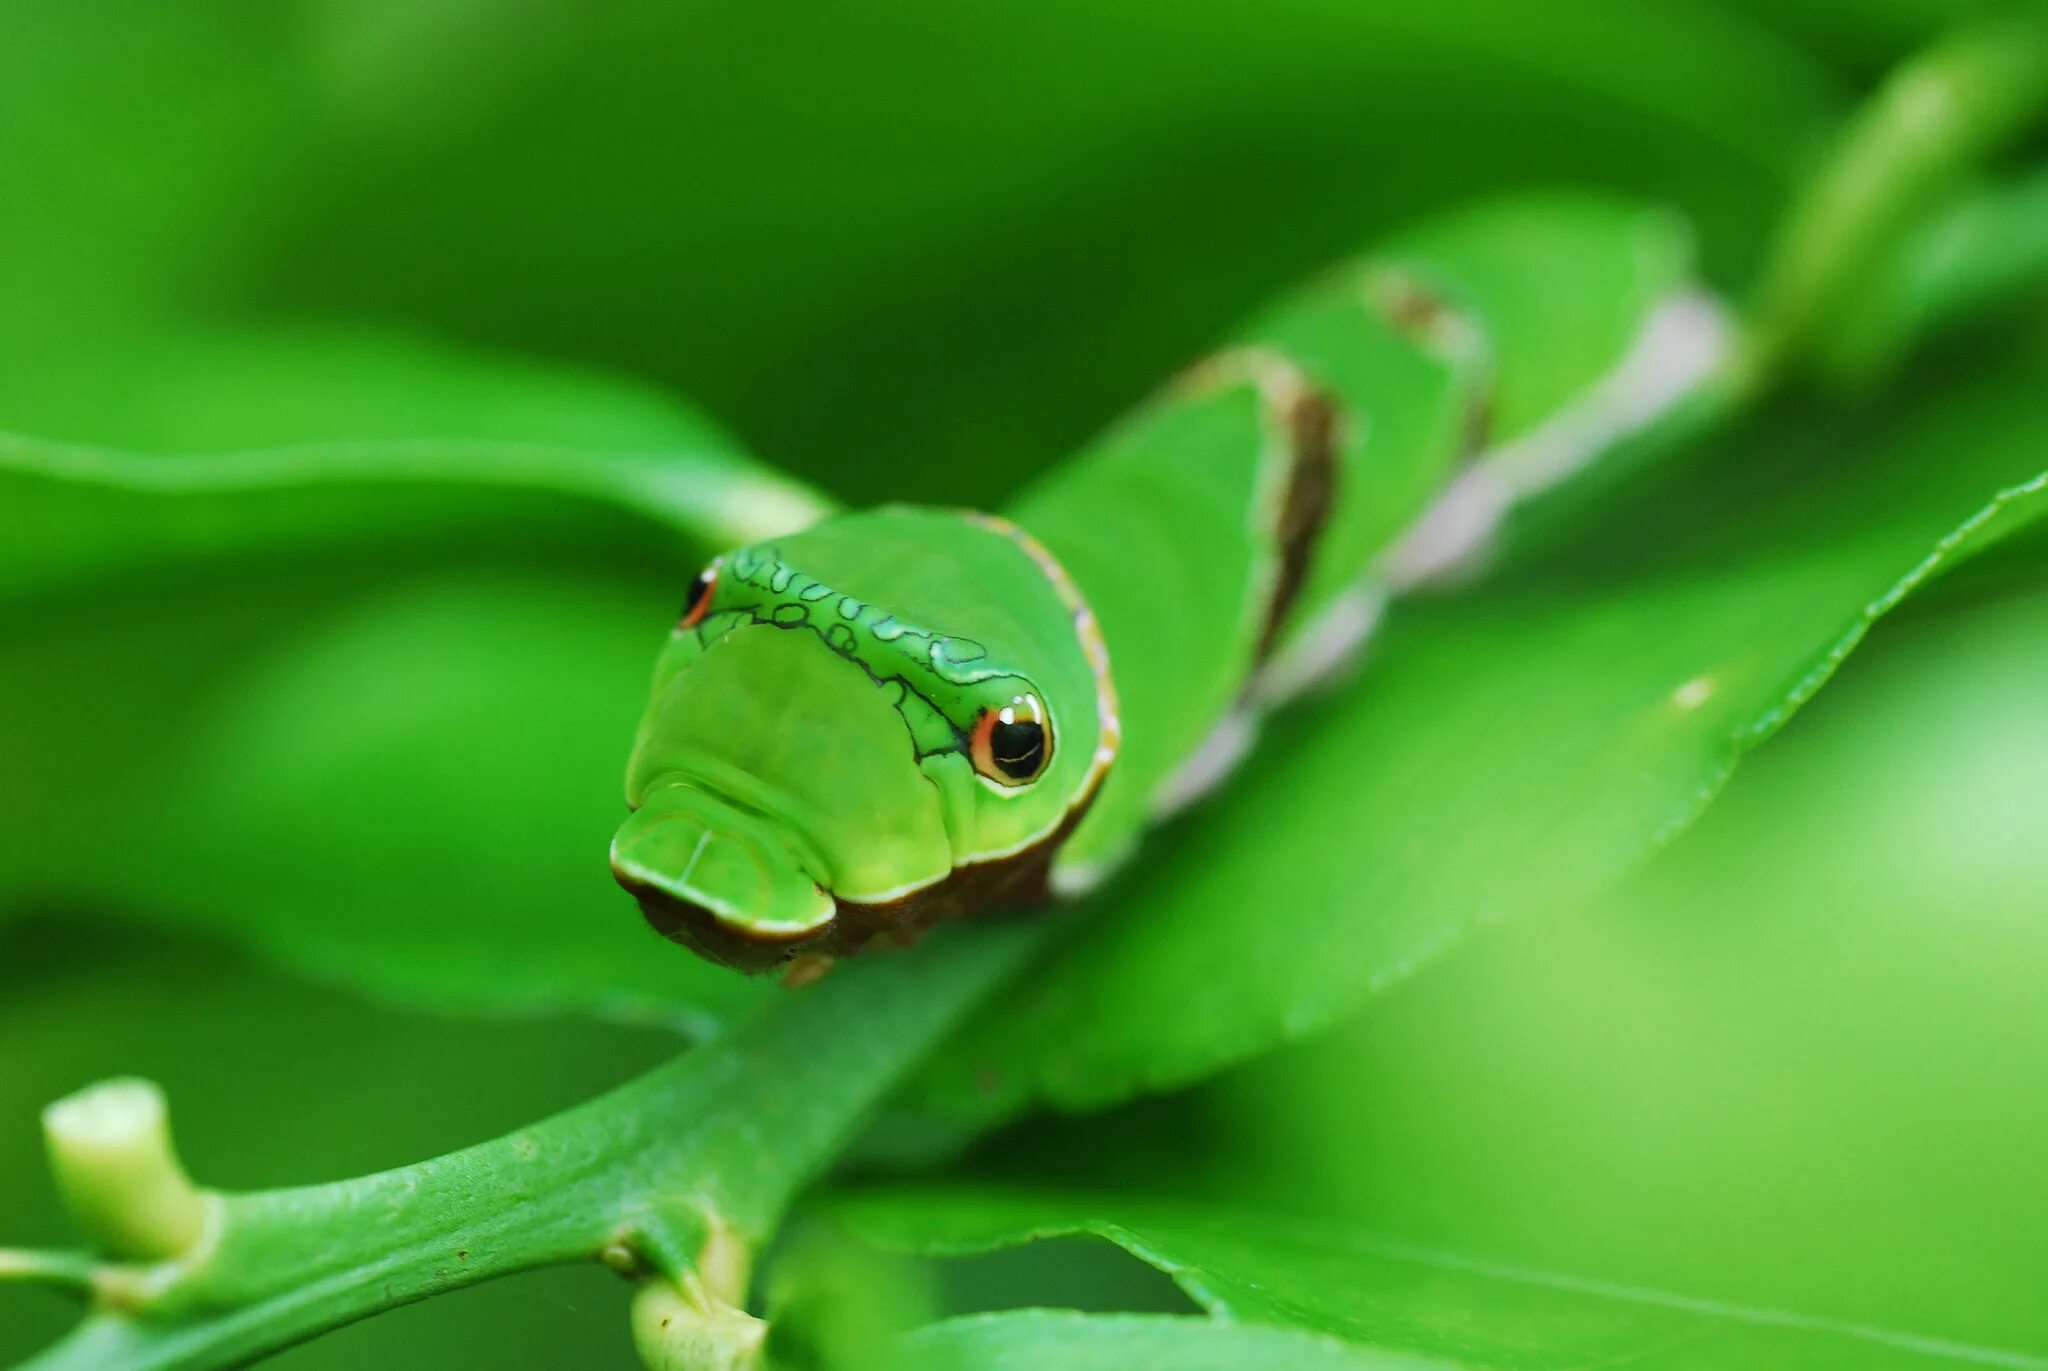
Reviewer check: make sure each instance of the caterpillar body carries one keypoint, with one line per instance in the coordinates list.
(906, 714)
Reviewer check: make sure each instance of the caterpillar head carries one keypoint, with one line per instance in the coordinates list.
(857, 730)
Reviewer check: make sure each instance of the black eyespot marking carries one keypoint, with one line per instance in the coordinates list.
(697, 603)
(1018, 749)
(1012, 745)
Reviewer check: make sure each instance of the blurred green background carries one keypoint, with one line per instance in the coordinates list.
(919, 250)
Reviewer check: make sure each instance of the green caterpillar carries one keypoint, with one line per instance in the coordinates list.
(899, 716)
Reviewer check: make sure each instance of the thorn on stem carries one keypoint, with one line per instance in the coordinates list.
(624, 1259)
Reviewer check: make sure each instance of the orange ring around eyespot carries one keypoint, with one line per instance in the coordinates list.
(981, 740)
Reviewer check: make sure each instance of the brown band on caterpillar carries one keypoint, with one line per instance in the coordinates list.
(1303, 423)
(1312, 421)
(1016, 880)
(1428, 318)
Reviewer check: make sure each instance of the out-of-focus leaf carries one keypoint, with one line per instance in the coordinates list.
(1517, 748)
(359, 446)
(1058, 1340)
(403, 780)
(1261, 1270)
(916, 251)
(190, 390)
(140, 147)
(836, 1303)
(367, 707)
(1793, 1062)
(1986, 252)
(83, 514)
(1864, 36)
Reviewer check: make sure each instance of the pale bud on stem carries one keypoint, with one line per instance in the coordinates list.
(679, 1326)
(111, 1155)
(694, 1322)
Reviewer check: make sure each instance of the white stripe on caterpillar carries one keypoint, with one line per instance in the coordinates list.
(1685, 339)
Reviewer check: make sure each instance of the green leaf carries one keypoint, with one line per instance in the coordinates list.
(178, 754)
(1513, 749)
(356, 445)
(182, 637)
(1260, 1269)
(835, 1303)
(194, 390)
(1013, 223)
(1058, 1340)
(1787, 1068)
(1987, 251)
(1791, 1063)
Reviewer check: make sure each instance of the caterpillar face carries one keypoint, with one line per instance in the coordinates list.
(820, 767)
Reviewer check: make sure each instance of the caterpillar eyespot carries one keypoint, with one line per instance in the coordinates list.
(1012, 745)
(697, 603)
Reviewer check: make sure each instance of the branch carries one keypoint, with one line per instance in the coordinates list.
(74, 1272)
(674, 1179)
(1938, 115)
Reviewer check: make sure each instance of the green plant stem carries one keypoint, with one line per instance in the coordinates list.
(69, 1271)
(1942, 112)
(653, 1176)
